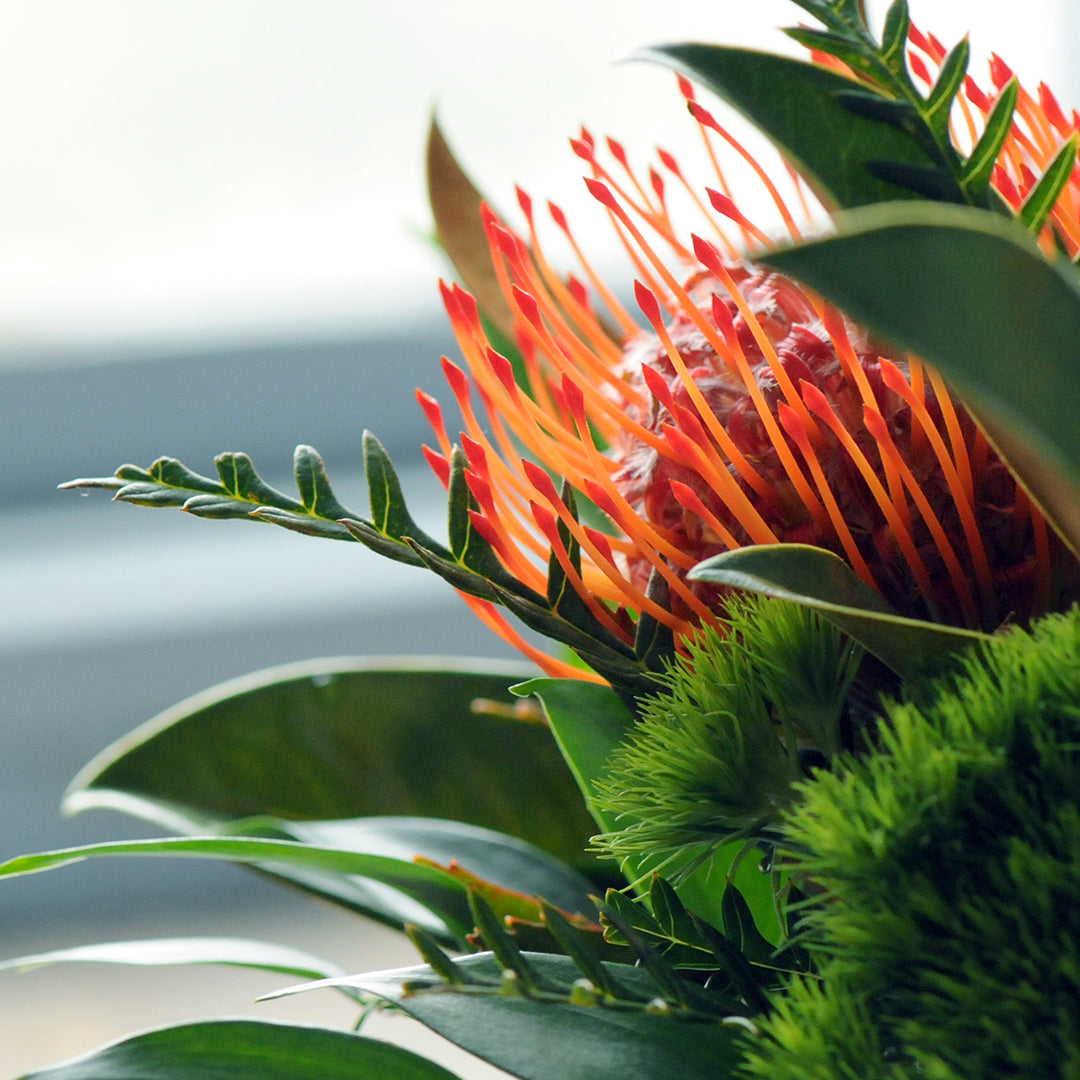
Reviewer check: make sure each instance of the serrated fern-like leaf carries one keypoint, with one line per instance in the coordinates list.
(239, 492)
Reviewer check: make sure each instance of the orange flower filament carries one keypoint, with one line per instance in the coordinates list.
(733, 407)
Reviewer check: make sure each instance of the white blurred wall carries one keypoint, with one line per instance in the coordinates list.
(193, 168)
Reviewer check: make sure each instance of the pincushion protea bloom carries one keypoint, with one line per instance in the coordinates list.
(735, 408)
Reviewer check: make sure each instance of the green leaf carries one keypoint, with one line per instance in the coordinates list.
(347, 738)
(545, 1036)
(821, 580)
(246, 1050)
(391, 521)
(157, 952)
(497, 859)
(796, 106)
(240, 494)
(894, 35)
(1042, 197)
(432, 889)
(589, 721)
(979, 167)
(973, 294)
(943, 93)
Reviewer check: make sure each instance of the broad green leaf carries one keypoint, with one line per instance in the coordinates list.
(973, 294)
(795, 104)
(441, 899)
(158, 952)
(347, 738)
(589, 721)
(246, 1050)
(821, 580)
(545, 1036)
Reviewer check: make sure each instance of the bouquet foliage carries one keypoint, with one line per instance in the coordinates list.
(794, 789)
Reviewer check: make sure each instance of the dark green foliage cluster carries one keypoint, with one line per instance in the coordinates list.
(948, 866)
(715, 754)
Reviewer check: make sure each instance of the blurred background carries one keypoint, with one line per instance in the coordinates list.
(212, 237)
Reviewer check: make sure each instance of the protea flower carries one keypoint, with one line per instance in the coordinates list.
(734, 407)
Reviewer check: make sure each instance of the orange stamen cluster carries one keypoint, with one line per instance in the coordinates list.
(736, 408)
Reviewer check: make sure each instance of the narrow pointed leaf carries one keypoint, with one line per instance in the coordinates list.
(950, 79)
(979, 167)
(542, 1039)
(795, 105)
(972, 294)
(1042, 197)
(894, 35)
(455, 203)
(157, 952)
(467, 545)
(440, 901)
(821, 580)
(246, 1050)
(389, 514)
(314, 485)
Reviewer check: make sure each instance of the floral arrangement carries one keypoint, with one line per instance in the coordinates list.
(797, 793)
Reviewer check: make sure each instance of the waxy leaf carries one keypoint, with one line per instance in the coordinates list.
(819, 579)
(796, 105)
(546, 1036)
(246, 1050)
(589, 722)
(157, 952)
(347, 738)
(973, 294)
(433, 890)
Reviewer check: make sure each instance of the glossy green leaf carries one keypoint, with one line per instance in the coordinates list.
(973, 294)
(589, 721)
(821, 580)
(1042, 197)
(157, 952)
(246, 1050)
(433, 890)
(545, 1036)
(796, 106)
(501, 860)
(347, 738)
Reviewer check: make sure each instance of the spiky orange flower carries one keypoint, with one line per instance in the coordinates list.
(733, 408)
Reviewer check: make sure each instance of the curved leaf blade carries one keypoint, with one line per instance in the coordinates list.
(433, 890)
(796, 105)
(546, 1036)
(819, 579)
(246, 1050)
(162, 952)
(347, 738)
(974, 295)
